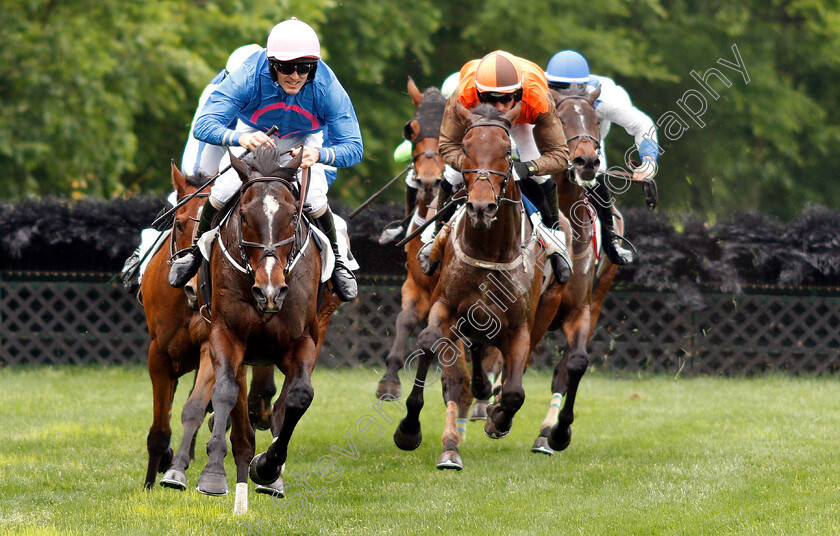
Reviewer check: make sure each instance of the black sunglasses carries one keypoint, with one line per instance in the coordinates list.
(287, 68)
(493, 98)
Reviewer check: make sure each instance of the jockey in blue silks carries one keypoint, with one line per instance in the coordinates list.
(288, 86)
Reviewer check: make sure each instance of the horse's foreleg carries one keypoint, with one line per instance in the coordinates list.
(241, 441)
(407, 321)
(260, 393)
(192, 415)
(226, 353)
(408, 434)
(574, 363)
(160, 433)
(297, 395)
(500, 418)
(457, 397)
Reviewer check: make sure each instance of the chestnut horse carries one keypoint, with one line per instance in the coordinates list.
(582, 298)
(423, 131)
(178, 337)
(488, 291)
(266, 272)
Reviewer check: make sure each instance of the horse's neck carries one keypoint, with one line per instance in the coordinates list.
(572, 201)
(501, 242)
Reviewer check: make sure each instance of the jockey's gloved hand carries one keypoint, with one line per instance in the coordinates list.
(523, 170)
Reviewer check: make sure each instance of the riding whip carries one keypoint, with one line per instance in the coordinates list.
(428, 222)
(377, 194)
(304, 189)
(186, 200)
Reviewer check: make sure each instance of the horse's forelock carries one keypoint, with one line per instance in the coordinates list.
(265, 161)
(489, 113)
(434, 94)
(199, 179)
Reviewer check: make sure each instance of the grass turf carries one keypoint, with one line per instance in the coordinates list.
(649, 455)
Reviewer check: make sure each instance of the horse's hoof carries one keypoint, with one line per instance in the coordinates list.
(450, 459)
(260, 474)
(490, 428)
(541, 446)
(479, 410)
(212, 484)
(174, 479)
(388, 389)
(561, 442)
(408, 441)
(275, 489)
(166, 461)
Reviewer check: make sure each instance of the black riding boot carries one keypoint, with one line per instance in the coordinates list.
(391, 235)
(602, 199)
(560, 264)
(343, 280)
(131, 269)
(187, 266)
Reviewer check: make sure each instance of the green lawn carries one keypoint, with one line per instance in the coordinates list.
(649, 455)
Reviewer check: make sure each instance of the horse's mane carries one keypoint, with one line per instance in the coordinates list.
(489, 113)
(265, 160)
(199, 179)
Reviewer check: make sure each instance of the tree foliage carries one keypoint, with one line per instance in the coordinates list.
(96, 97)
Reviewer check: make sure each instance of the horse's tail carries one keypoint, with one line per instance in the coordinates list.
(599, 294)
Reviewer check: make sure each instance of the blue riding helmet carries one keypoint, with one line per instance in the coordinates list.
(568, 72)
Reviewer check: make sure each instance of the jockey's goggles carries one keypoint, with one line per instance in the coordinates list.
(488, 97)
(288, 67)
(567, 88)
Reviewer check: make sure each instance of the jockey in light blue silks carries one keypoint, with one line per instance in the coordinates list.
(568, 74)
(288, 86)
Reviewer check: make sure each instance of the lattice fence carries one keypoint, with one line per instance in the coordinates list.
(93, 322)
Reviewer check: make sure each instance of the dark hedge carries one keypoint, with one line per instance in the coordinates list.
(57, 235)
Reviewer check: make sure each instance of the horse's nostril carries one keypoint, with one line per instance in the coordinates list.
(492, 208)
(579, 161)
(259, 295)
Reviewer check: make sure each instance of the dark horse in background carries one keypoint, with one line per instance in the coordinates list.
(488, 293)
(266, 274)
(178, 335)
(583, 296)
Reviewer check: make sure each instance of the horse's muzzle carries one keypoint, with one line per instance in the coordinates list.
(481, 214)
(269, 300)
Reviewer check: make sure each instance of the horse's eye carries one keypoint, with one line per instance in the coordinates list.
(179, 226)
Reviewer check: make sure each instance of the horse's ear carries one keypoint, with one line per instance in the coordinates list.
(556, 97)
(592, 97)
(239, 166)
(178, 179)
(514, 112)
(414, 92)
(295, 162)
(466, 115)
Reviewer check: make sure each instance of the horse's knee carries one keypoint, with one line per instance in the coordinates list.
(577, 365)
(428, 337)
(407, 320)
(300, 397)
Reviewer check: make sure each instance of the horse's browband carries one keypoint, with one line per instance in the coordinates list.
(251, 182)
(501, 125)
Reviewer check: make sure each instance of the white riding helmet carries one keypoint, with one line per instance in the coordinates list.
(293, 39)
(239, 56)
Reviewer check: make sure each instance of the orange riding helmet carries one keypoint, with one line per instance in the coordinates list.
(498, 75)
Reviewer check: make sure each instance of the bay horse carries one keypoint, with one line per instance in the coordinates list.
(178, 333)
(583, 296)
(266, 274)
(423, 131)
(488, 291)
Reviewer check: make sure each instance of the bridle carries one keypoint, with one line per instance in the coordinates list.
(484, 174)
(269, 249)
(173, 240)
(580, 137)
